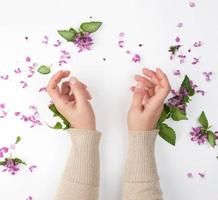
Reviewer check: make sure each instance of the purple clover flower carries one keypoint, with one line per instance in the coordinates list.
(178, 99)
(11, 166)
(198, 136)
(83, 41)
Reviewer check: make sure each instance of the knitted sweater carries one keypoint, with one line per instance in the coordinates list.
(80, 180)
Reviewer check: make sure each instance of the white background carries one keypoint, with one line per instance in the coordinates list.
(152, 23)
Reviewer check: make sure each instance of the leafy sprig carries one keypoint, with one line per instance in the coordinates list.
(65, 124)
(175, 113)
(206, 129)
(86, 27)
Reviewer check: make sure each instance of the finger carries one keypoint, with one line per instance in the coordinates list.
(163, 79)
(52, 88)
(147, 82)
(65, 88)
(78, 91)
(152, 75)
(138, 96)
(88, 95)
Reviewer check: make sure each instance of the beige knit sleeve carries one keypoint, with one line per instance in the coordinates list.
(141, 181)
(80, 180)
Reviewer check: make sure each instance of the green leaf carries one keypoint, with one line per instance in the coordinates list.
(2, 163)
(58, 125)
(177, 114)
(174, 49)
(44, 69)
(56, 113)
(18, 160)
(167, 133)
(18, 139)
(90, 27)
(187, 85)
(165, 114)
(203, 120)
(68, 35)
(211, 138)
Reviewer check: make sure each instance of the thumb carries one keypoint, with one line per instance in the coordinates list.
(138, 95)
(78, 90)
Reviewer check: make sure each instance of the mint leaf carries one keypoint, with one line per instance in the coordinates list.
(58, 125)
(18, 160)
(177, 114)
(18, 139)
(90, 27)
(44, 69)
(167, 133)
(68, 35)
(2, 163)
(187, 85)
(211, 138)
(203, 120)
(165, 114)
(174, 49)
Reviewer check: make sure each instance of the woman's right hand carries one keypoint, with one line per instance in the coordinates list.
(148, 100)
(72, 100)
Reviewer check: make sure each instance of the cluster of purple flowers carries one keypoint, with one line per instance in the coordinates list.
(178, 99)
(83, 41)
(198, 136)
(11, 166)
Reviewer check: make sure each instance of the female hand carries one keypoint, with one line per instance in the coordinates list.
(148, 100)
(72, 100)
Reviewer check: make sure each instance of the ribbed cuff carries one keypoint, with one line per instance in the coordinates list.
(141, 166)
(83, 162)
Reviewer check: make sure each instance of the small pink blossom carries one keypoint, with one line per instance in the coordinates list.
(197, 44)
(32, 167)
(4, 77)
(195, 61)
(43, 89)
(28, 59)
(177, 72)
(29, 198)
(192, 4)
(17, 71)
(136, 58)
(24, 84)
(177, 39)
(207, 75)
(121, 43)
(190, 175)
(45, 40)
(64, 57)
(121, 34)
(58, 43)
(180, 25)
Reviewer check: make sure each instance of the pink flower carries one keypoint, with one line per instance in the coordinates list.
(180, 24)
(45, 41)
(197, 44)
(11, 166)
(136, 58)
(177, 39)
(28, 59)
(195, 61)
(190, 175)
(207, 75)
(83, 41)
(192, 4)
(31, 168)
(58, 43)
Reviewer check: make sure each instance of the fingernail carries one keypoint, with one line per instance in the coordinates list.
(73, 80)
